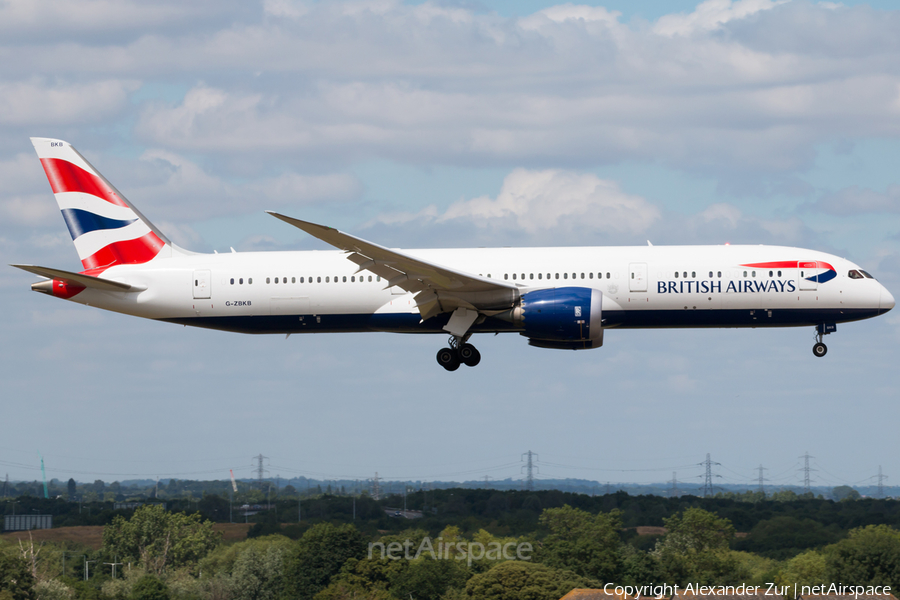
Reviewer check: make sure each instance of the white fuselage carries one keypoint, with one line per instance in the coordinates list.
(643, 286)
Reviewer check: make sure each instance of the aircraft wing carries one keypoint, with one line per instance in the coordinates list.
(438, 288)
(80, 279)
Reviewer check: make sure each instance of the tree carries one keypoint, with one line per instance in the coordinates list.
(808, 568)
(695, 548)
(428, 578)
(149, 587)
(16, 580)
(520, 580)
(845, 492)
(72, 489)
(157, 539)
(257, 574)
(869, 555)
(318, 556)
(586, 544)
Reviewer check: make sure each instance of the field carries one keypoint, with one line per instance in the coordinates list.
(92, 536)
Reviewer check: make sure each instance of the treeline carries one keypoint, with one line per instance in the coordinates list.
(506, 513)
(164, 555)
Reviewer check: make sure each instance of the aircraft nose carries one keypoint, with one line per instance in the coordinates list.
(887, 300)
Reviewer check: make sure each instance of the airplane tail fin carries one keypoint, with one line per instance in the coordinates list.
(106, 228)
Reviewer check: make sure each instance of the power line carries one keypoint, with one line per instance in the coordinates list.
(806, 470)
(881, 478)
(762, 487)
(529, 466)
(260, 470)
(707, 483)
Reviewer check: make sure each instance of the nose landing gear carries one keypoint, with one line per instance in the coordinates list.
(458, 353)
(822, 329)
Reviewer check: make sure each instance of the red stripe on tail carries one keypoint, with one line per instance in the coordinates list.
(127, 252)
(67, 177)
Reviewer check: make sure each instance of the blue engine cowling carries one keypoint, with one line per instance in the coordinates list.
(566, 318)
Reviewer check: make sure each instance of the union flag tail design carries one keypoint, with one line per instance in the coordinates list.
(106, 228)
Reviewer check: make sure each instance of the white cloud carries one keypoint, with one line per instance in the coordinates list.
(710, 15)
(855, 200)
(555, 200)
(37, 102)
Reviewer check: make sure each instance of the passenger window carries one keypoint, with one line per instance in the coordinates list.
(720, 273)
(540, 275)
(754, 273)
(573, 276)
(301, 280)
(770, 273)
(318, 280)
(506, 276)
(676, 274)
(276, 280)
(779, 273)
(514, 276)
(232, 281)
(710, 274)
(557, 275)
(693, 274)
(345, 279)
(378, 278)
(590, 275)
(745, 273)
(531, 276)
(607, 275)
(249, 281)
(523, 276)
(582, 275)
(241, 281)
(565, 275)
(327, 280)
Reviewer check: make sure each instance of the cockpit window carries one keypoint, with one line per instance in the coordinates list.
(866, 274)
(854, 274)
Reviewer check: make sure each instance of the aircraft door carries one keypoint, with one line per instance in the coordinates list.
(637, 277)
(806, 278)
(202, 282)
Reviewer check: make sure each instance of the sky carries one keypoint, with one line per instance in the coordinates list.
(413, 125)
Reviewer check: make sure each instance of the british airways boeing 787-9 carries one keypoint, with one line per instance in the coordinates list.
(556, 297)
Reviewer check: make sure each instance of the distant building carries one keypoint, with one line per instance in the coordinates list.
(578, 594)
(27, 522)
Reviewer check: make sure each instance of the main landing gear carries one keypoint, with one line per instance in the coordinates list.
(458, 353)
(823, 329)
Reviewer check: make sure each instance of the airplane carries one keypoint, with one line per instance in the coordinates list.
(560, 297)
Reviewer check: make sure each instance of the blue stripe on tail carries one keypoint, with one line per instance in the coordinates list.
(80, 222)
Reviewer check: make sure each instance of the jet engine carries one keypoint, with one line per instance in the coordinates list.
(568, 318)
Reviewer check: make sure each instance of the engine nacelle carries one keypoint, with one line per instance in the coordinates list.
(568, 318)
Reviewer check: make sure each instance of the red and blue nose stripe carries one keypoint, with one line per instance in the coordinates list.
(828, 274)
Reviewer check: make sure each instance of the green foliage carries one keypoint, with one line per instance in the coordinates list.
(257, 575)
(587, 544)
(157, 539)
(222, 560)
(149, 587)
(845, 492)
(808, 568)
(753, 569)
(427, 578)
(695, 549)
(782, 537)
(318, 555)
(16, 581)
(520, 580)
(53, 589)
(869, 555)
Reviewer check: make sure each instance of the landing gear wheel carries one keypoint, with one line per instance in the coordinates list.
(819, 349)
(469, 355)
(448, 359)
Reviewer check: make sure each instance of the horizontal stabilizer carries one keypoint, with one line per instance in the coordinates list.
(87, 281)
